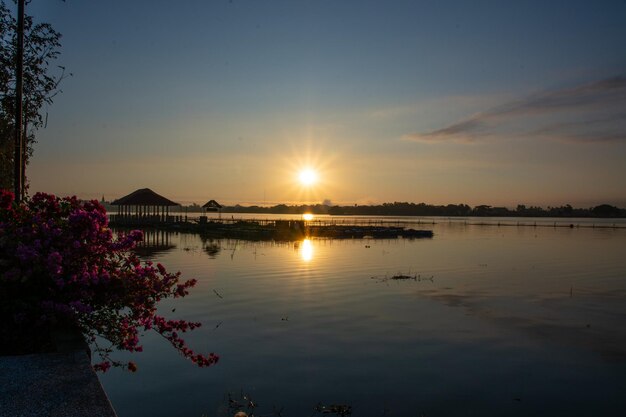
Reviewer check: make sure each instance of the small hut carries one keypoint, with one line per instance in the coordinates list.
(212, 206)
(143, 205)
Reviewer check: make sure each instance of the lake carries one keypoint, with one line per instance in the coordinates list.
(496, 320)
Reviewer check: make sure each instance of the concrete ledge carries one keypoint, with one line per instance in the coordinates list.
(53, 384)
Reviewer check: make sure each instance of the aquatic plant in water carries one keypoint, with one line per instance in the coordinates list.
(59, 263)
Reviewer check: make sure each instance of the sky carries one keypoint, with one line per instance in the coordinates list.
(443, 102)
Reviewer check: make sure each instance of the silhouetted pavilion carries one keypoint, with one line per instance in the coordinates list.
(212, 205)
(144, 205)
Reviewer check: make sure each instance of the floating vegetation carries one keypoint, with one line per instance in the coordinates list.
(336, 409)
(285, 230)
(404, 277)
(239, 403)
(401, 277)
(243, 405)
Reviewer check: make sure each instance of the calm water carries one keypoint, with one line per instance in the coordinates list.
(503, 320)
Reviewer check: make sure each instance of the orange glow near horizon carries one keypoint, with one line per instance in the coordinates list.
(307, 216)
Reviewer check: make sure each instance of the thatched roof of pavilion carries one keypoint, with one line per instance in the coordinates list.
(212, 204)
(144, 197)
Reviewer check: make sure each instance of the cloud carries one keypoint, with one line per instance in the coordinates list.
(592, 112)
(601, 129)
(432, 105)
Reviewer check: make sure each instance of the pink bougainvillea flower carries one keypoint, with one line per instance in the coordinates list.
(59, 261)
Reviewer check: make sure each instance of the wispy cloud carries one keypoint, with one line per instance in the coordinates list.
(426, 106)
(593, 112)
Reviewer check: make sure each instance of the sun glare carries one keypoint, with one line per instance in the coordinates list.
(307, 216)
(306, 250)
(307, 177)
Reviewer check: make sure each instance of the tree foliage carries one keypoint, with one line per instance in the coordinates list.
(41, 83)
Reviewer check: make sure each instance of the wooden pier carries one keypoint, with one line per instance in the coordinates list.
(279, 229)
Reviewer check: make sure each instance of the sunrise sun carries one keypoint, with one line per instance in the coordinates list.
(307, 177)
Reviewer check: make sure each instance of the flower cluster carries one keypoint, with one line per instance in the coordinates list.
(59, 261)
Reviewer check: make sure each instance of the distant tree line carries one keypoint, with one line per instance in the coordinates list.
(413, 209)
(422, 209)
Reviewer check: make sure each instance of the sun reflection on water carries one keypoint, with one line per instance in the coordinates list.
(306, 250)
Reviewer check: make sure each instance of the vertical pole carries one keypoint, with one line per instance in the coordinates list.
(19, 83)
(24, 152)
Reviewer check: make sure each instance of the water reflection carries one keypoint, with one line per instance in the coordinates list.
(517, 322)
(155, 242)
(212, 247)
(306, 250)
(587, 319)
